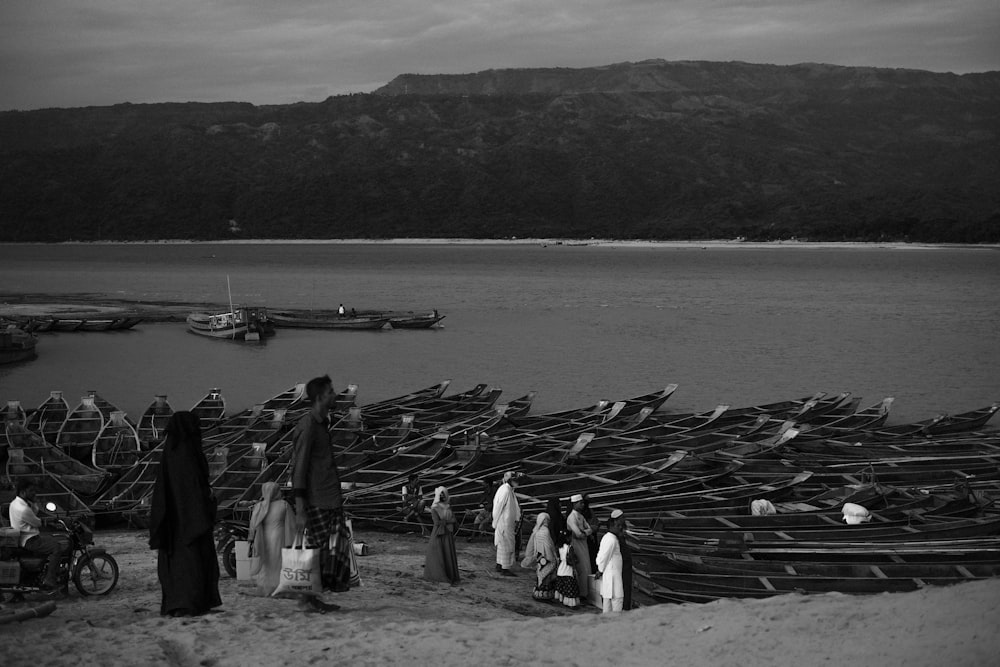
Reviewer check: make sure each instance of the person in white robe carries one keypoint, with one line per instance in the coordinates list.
(506, 514)
(609, 564)
(579, 530)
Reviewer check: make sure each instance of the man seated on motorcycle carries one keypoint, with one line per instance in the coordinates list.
(23, 517)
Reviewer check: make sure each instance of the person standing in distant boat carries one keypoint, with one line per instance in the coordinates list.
(578, 531)
(340, 311)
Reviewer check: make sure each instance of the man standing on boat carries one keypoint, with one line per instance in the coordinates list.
(506, 513)
(316, 487)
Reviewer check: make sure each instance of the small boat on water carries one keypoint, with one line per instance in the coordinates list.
(16, 345)
(411, 321)
(327, 320)
(245, 323)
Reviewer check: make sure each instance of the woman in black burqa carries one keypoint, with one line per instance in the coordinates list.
(181, 522)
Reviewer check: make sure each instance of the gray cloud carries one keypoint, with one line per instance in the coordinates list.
(65, 53)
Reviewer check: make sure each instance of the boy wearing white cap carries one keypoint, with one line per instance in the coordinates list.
(609, 563)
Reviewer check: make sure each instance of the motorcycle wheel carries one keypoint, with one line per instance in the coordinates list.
(96, 575)
(229, 558)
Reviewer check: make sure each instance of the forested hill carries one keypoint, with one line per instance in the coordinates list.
(656, 150)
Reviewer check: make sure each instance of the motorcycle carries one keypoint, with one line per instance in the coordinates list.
(227, 533)
(91, 569)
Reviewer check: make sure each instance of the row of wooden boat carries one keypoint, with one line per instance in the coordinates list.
(256, 324)
(70, 324)
(686, 481)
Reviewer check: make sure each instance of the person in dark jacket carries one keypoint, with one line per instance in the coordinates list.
(316, 487)
(181, 521)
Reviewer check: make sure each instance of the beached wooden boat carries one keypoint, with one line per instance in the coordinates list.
(82, 426)
(245, 323)
(211, 409)
(326, 320)
(48, 418)
(13, 413)
(16, 345)
(28, 453)
(117, 446)
(152, 424)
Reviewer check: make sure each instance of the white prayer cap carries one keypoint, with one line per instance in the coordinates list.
(855, 514)
(576, 498)
(616, 513)
(509, 475)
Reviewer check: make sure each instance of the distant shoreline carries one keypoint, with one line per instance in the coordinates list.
(603, 243)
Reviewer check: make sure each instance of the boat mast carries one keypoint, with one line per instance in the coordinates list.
(232, 311)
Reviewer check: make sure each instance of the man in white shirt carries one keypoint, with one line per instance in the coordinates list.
(609, 563)
(506, 513)
(22, 516)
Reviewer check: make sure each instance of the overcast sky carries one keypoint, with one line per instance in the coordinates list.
(69, 53)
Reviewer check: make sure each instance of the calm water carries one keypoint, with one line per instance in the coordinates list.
(576, 323)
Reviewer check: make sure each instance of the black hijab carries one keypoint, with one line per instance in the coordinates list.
(557, 521)
(183, 506)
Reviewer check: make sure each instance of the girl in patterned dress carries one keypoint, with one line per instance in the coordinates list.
(567, 590)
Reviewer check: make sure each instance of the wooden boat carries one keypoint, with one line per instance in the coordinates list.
(130, 491)
(152, 424)
(48, 418)
(66, 324)
(125, 323)
(97, 324)
(117, 446)
(16, 345)
(13, 413)
(244, 323)
(411, 321)
(211, 409)
(82, 426)
(326, 320)
(705, 587)
(29, 454)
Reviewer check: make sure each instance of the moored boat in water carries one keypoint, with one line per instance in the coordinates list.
(252, 324)
(16, 345)
(326, 320)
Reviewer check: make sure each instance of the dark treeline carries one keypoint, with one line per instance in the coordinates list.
(639, 151)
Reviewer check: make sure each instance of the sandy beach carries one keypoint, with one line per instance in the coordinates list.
(396, 617)
(709, 244)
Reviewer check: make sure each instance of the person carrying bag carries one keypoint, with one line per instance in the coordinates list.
(300, 573)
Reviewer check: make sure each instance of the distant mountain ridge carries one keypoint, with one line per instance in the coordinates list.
(657, 76)
(648, 150)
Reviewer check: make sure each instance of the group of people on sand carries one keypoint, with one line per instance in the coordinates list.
(563, 549)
